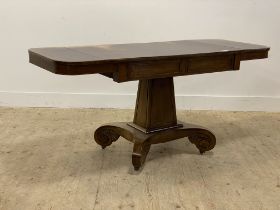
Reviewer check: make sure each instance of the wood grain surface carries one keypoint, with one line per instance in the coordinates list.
(125, 62)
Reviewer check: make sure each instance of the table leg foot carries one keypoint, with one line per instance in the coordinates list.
(139, 154)
(203, 139)
(105, 136)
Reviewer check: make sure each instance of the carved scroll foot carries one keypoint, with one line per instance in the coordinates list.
(139, 154)
(105, 136)
(203, 139)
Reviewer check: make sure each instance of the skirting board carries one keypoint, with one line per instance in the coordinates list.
(97, 100)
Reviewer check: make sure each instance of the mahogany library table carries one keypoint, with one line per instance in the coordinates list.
(154, 65)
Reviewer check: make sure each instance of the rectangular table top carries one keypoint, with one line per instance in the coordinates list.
(108, 58)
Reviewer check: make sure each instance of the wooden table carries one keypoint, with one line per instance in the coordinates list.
(154, 65)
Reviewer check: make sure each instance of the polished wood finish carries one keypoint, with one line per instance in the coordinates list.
(155, 105)
(126, 62)
(154, 65)
(105, 135)
(154, 122)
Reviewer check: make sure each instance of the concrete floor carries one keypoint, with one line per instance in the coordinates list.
(49, 160)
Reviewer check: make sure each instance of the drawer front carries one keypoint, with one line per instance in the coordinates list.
(175, 67)
(152, 69)
(210, 64)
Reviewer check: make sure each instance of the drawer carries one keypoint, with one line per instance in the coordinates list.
(211, 64)
(153, 69)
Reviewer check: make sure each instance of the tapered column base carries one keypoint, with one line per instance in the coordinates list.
(154, 122)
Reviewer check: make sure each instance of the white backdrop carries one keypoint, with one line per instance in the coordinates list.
(41, 23)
